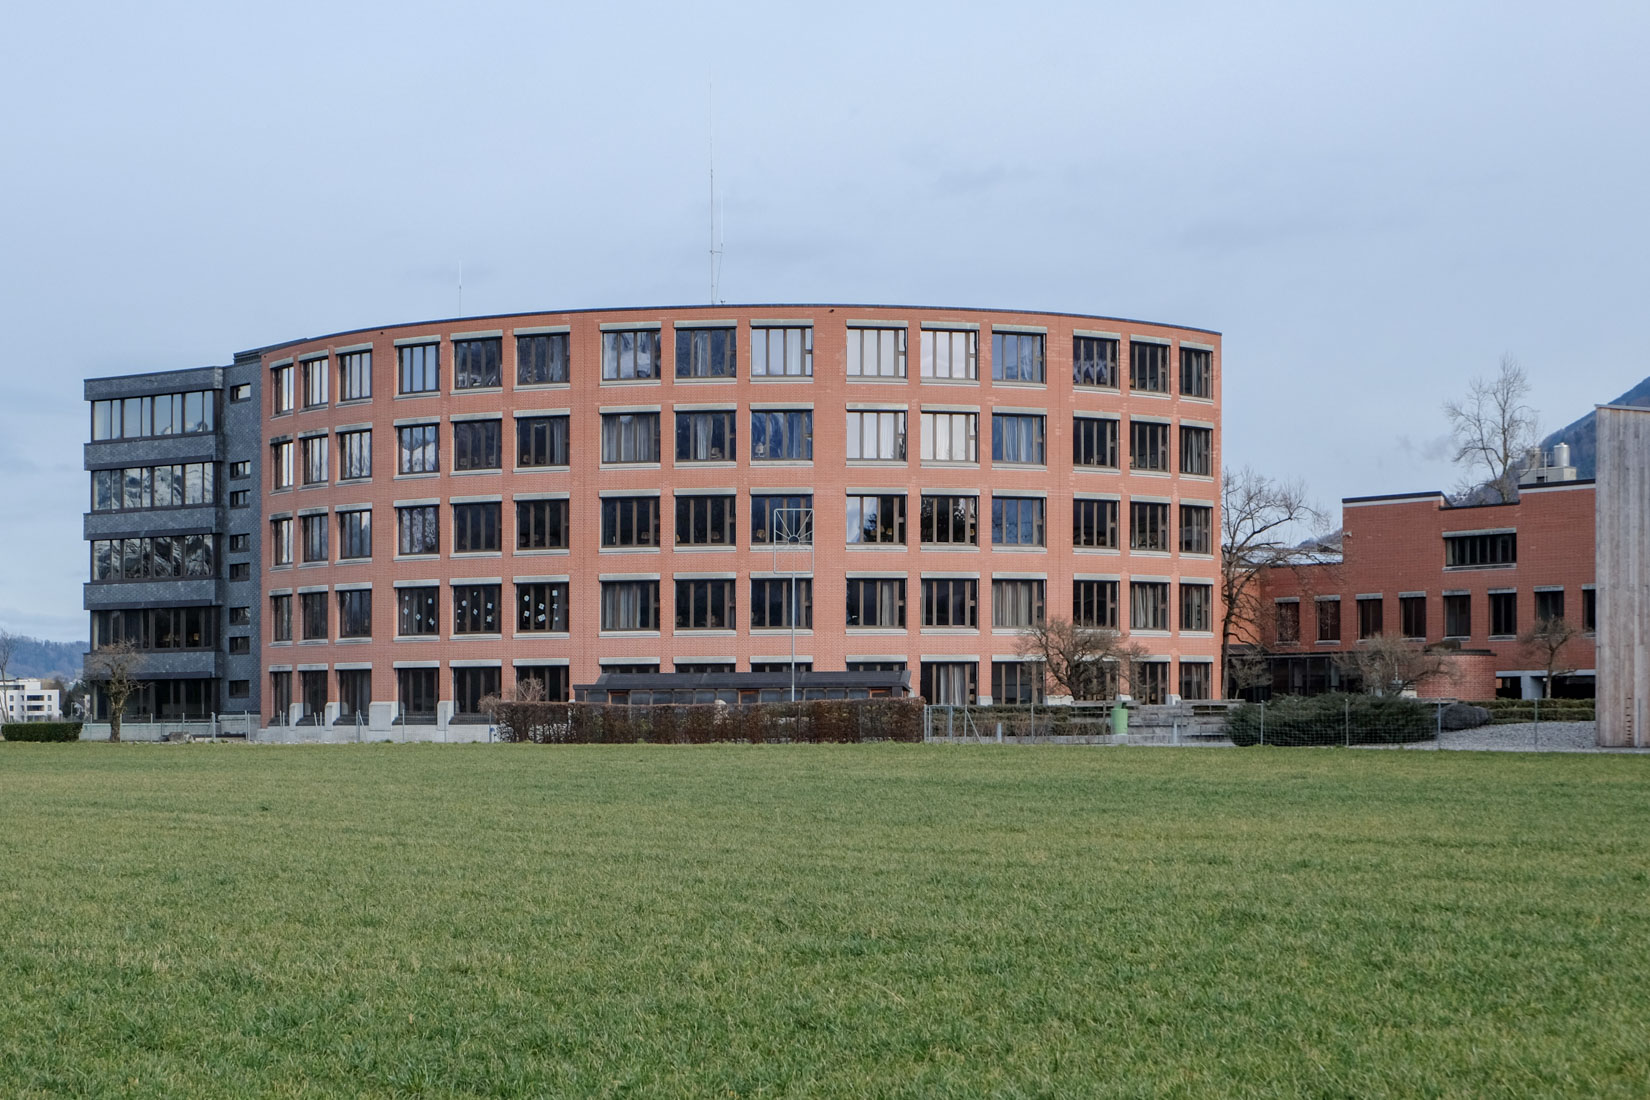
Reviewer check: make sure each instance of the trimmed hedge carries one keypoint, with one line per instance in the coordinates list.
(816, 721)
(1506, 711)
(40, 731)
(1337, 719)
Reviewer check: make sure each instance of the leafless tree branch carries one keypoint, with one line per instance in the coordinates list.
(1494, 430)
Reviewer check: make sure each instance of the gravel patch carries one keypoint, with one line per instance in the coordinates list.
(1522, 737)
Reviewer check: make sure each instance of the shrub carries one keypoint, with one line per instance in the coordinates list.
(40, 731)
(705, 723)
(1504, 711)
(1338, 719)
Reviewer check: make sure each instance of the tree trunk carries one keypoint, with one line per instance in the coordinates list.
(114, 726)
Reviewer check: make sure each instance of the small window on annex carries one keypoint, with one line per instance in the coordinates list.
(1412, 617)
(1457, 615)
(542, 359)
(1371, 617)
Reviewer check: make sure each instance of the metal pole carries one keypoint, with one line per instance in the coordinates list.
(793, 639)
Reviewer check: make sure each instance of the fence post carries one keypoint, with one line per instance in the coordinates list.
(1537, 731)
(1438, 719)
(1263, 721)
(1346, 721)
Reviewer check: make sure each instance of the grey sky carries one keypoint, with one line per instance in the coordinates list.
(1372, 202)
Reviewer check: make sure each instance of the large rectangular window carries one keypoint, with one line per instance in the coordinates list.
(706, 520)
(475, 609)
(542, 358)
(1148, 445)
(1589, 610)
(416, 691)
(1017, 357)
(280, 618)
(478, 364)
(1286, 621)
(1197, 372)
(706, 353)
(1549, 604)
(470, 687)
(950, 355)
(355, 454)
(876, 519)
(630, 521)
(541, 524)
(1457, 615)
(950, 437)
(1151, 682)
(705, 604)
(1094, 603)
(1412, 617)
(354, 693)
(312, 614)
(1017, 604)
(1094, 442)
(951, 520)
(314, 449)
(554, 682)
(950, 601)
(1329, 619)
(476, 527)
(876, 602)
(1503, 614)
(355, 534)
(541, 607)
(315, 381)
(283, 393)
(314, 530)
(280, 541)
(1148, 525)
(783, 519)
(416, 450)
(1197, 529)
(950, 683)
(355, 613)
(1094, 361)
(1148, 367)
(1018, 438)
(1016, 683)
(1196, 607)
(1495, 548)
(281, 465)
(1094, 523)
(1196, 680)
(1371, 617)
(876, 352)
(138, 488)
(542, 441)
(417, 529)
(782, 351)
(878, 436)
(157, 628)
(355, 376)
(1018, 521)
(1148, 605)
(161, 415)
(416, 611)
(631, 354)
(779, 435)
(419, 367)
(1197, 449)
(159, 556)
(477, 444)
(777, 603)
(630, 437)
(630, 605)
(707, 436)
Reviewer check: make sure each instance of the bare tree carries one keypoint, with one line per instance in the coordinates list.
(1548, 641)
(1084, 662)
(9, 644)
(1494, 430)
(1261, 522)
(112, 667)
(1390, 665)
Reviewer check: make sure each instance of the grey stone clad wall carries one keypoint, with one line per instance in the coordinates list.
(1623, 528)
(241, 429)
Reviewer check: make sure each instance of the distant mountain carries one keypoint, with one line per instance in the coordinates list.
(35, 658)
(1582, 436)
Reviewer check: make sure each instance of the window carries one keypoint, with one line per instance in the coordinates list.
(782, 435)
(1370, 617)
(159, 628)
(240, 689)
(476, 527)
(950, 683)
(240, 571)
(1148, 525)
(1412, 617)
(420, 368)
(1479, 551)
(951, 520)
(314, 450)
(1017, 357)
(706, 352)
(1197, 372)
(776, 519)
(950, 437)
(471, 686)
(1148, 605)
(876, 666)
(280, 465)
(240, 498)
(1589, 610)
(630, 521)
(1017, 604)
(417, 529)
(950, 356)
(1329, 619)
(630, 437)
(477, 445)
(354, 692)
(355, 613)
(630, 605)
(1018, 521)
(416, 450)
(876, 436)
(1197, 607)
(1197, 529)
(705, 605)
(312, 614)
(314, 532)
(146, 487)
(950, 601)
(707, 436)
(315, 382)
(1018, 438)
(1151, 682)
(239, 393)
(355, 376)
(1457, 615)
(416, 612)
(541, 607)
(354, 454)
(415, 690)
(876, 352)
(240, 471)
(542, 441)
(240, 616)
(1148, 367)
(1196, 680)
(876, 519)
(630, 354)
(240, 544)
(355, 534)
(475, 609)
(1016, 683)
(1287, 621)
(541, 524)
(876, 602)
(1503, 614)
(280, 618)
(1094, 523)
(164, 414)
(477, 364)
(553, 680)
(705, 520)
(542, 359)
(1197, 448)
(1549, 604)
(1148, 445)
(282, 390)
(1094, 361)
(783, 667)
(781, 602)
(1094, 442)
(160, 556)
(280, 694)
(280, 541)
(1094, 603)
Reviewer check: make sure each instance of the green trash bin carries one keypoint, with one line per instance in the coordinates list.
(1120, 722)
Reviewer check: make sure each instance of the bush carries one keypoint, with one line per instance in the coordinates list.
(1504, 711)
(706, 723)
(40, 731)
(1338, 719)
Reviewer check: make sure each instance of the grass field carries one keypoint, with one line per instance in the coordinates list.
(821, 921)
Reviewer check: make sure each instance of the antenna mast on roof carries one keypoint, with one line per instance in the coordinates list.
(715, 238)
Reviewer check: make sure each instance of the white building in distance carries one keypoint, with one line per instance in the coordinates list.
(29, 701)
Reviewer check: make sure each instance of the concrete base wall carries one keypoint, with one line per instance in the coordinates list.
(1623, 570)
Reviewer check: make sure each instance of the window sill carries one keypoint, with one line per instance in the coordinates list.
(702, 380)
(950, 548)
(314, 564)
(1014, 549)
(884, 547)
(880, 380)
(1195, 399)
(883, 631)
(1089, 387)
(896, 463)
(494, 470)
(771, 379)
(539, 553)
(1018, 384)
(703, 632)
(314, 408)
(956, 631)
(469, 554)
(417, 395)
(1328, 641)
(1144, 552)
(1187, 632)
(796, 462)
(346, 402)
(779, 632)
(418, 637)
(1110, 551)
(1470, 568)
(459, 391)
(927, 381)
(313, 641)
(1090, 469)
(521, 387)
(1149, 473)
(629, 466)
(280, 644)
(1033, 467)
(1196, 477)
(627, 634)
(416, 557)
(353, 480)
(706, 463)
(554, 635)
(354, 641)
(353, 561)
(695, 548)
(941, 464)
(477, 637)
(622, 382)
(1503, 637)
(418, 477)
(1157, 395)
(1142, 632)
(541, 469)
(628, 550)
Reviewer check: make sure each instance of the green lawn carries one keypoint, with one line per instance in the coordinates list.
(821, 921)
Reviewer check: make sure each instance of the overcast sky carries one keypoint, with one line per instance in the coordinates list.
(1372, 202)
